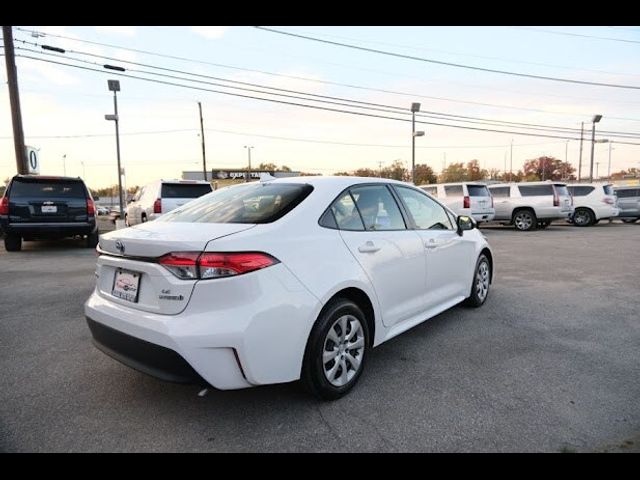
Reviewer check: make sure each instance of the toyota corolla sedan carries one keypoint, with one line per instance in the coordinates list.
(283, 280)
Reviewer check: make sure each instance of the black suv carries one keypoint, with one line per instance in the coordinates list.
(38, 207)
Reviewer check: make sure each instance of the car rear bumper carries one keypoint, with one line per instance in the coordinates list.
(234, 333)
(483, 216)
(49, 229)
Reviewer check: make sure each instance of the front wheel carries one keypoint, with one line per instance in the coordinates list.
(481, 283)
(336, 351)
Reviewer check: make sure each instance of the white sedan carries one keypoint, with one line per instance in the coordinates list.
(276, 281)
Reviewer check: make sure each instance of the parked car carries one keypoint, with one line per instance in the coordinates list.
(531, 205)
(465, 198)
(592, 202)
(162, 196)
(295, 278)
(628, 203)
(43, 207)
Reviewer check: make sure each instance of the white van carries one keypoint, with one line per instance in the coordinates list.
(162, 196)
(465, 198)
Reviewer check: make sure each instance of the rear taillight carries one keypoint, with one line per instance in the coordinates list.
(91, 207)
(4, 206)
(195, 265)
(157, 206)
(466, 202)
(608, 200)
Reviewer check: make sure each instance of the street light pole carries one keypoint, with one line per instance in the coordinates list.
(204, 157)
(64, 164)
(114, 86)
(609, 167)
(248, 178)
(596, 119)
(566, 160)
(580, 160)
(415, 107)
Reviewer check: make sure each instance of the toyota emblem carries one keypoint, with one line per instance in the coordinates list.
(120, 246)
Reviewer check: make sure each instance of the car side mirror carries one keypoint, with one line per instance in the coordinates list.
(466, 223)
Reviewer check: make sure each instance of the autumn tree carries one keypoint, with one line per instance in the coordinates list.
(474, 172)
(547, 168)
(365, 172)
(270, 167)
(424, 174)
(631, 173)
(396, 171)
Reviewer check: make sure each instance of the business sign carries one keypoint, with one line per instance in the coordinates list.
(234, 174)
(33, 161)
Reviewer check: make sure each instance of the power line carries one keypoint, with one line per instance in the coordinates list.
(450, 64)
(543, 30)
(326, 82)
(341, 100)
(316, 107)
(90, 135)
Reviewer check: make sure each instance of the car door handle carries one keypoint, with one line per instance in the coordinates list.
(431, 243)
(368, 247)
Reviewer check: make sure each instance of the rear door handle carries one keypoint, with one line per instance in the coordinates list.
(431, 243)
(368, 247)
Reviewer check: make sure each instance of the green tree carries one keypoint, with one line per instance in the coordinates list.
(424, 174)
(455, 172)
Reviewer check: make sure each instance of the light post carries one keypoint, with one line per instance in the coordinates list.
(114, 86)
(566, 160)
(609, 167)
(596, 119)
(64, 164)
(415, 107)
(249, 171)
(83, 172)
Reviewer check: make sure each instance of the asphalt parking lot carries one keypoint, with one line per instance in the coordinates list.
(549, 364)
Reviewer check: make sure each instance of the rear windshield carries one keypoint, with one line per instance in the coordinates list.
(608, 189)
(184, 190)
(535, 190)
(250, 203)
(47, 188)
(478, 191)
(562, 190)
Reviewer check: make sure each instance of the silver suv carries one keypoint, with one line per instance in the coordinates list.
(531, 205)
(628, 203)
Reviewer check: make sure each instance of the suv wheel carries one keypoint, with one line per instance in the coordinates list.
(13, 242)
(92, 239)
(336, 351)
(525, 220)
(629, 220)
(583, 217)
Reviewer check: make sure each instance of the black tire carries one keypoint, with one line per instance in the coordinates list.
(583, 217)
(12, 242)
(313, 375)
(92, 239)
(629, 220)
(525, 220)
(476, 298)
(595, 222)
(544, 224)
(143, 218)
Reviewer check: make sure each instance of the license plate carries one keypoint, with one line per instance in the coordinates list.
(125, 285)
(49, 209)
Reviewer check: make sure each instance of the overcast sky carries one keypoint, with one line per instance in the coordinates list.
(160, 127)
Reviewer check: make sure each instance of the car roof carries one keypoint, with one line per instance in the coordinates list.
(544, 182)
(47, 177)
(337, 180)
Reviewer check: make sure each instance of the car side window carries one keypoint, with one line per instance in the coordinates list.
(377, 207)
(346, 214)
(426, 213)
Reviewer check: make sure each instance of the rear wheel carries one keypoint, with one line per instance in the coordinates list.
(92, 239)
(525, 220)
(13, 242)
(583, 217)
(336, 350)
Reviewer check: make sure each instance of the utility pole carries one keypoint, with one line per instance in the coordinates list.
(580, 160)
(597, 163)
(204, 158)
(380, 169)
(64, 164)
(566, 160)
(249, 171)
(14, 100)
(609, 167)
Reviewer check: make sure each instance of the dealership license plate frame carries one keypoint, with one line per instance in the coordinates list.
(122, 293)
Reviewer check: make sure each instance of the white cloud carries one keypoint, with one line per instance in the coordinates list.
(210, 32)
(118, 30)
